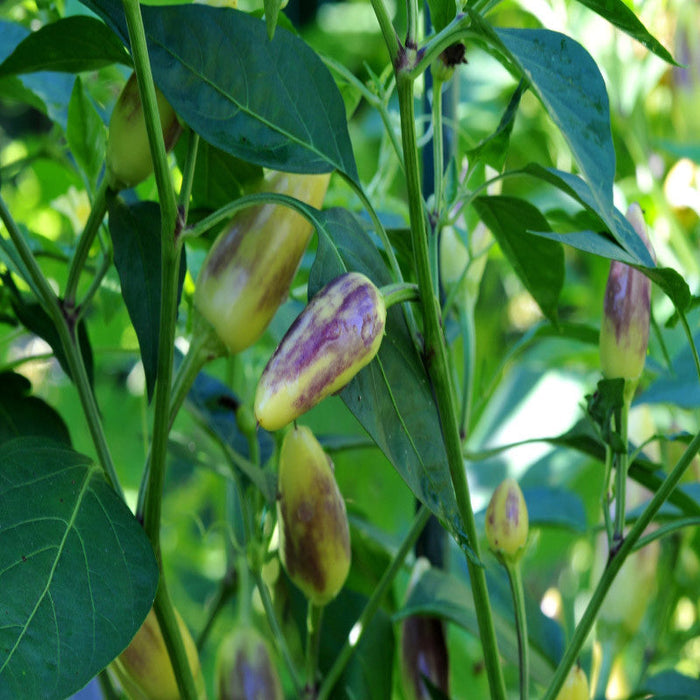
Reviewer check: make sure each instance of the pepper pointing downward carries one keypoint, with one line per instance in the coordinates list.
(333, 338)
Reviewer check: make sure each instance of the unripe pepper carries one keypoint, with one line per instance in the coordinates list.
(144, 667)
(129, 159)
(244, 668)
(575, 686)
(624, 333)
(333, 338)
(507, 520)
(249, 269)
(314, 535)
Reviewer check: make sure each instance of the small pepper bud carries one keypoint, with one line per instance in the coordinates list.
(314, 535)
(624, 333)
(507, 520)
(129, 159)
(333, 338)
(249, 269)
(575, 686)
(244, 668)
(144, 667)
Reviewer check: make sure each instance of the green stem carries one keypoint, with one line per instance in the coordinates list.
(70, 347)
(606, 498)
(359, 628)
(398, 293)
(188, 173)
(109, 692)
(223, 593)
(436, 351)
(82, 251)
(165, 612)
(277, 632)
(622, 463)
(466, 321)
(516, 588)
(313, 644)
(691, 341)
(615, 562)
(438, 158)
(390, 37)
(457, 30)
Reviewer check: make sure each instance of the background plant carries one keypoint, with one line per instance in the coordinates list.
(522, 141)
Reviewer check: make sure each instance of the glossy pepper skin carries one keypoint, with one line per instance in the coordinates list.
(128, 158)
(144, 669)
(507, 520)
(314, 535)
(249, 269)
(624, 333)
(245, 670)
(575, 686)
(333, 338)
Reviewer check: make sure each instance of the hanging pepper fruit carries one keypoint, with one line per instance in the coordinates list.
(244, 668)
(507, 520)
(575, 686)
(314, 535)
(128, 158)
(251, 265)
(144, 669)
(624, 333)
(333, 338)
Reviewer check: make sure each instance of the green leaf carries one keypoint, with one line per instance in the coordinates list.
(442, 12)
(22, 414)
(391, 398)
(69, 45)
(444, 595)
(135, 231)
(219, 178)
(272, 10)
(368, 675)
(538, 263)
(273, 103)
(672, 684)
(611, 218)
(621, 16)
(86, 133)
(494, 148)
(77, 573)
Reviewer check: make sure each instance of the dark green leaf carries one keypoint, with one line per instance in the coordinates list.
(77, 573)
(22, 414)
(273, 103)
(673, 285)
(613, 220)
(33, 317)
(538, 263)
(551, 507)
(442, 12)
(444, 595)
(620, 15)
(494, 148)
(391, 398)
(135, 231)
(70, 45)
(86, 132)
(672, 684)
(368, 675)
(219, 178)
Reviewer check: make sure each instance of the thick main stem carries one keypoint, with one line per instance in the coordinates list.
(438, 370)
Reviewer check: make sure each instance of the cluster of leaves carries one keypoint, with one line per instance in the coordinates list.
(77, 572)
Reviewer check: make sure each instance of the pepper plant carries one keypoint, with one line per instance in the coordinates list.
(165, 244)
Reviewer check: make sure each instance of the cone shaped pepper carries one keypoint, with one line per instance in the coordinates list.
(624, 333)
(333, 338)
(314, 535)
(128, 157)
(507, 520)
(249, 269)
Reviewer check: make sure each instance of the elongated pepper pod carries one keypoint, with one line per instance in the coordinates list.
(507, 520)
(245, 670)
(333, 338)
(624, 333)
(144, 667)
(249, 269)
(129, 159)
(314, 535)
